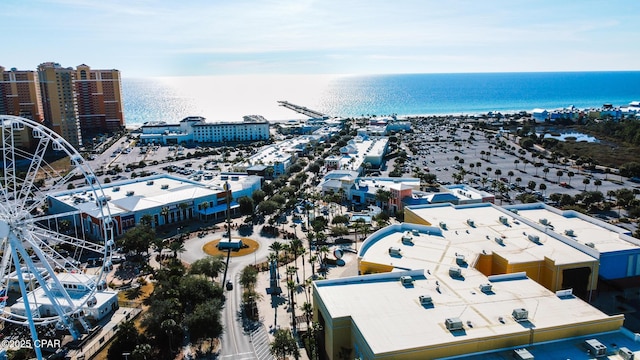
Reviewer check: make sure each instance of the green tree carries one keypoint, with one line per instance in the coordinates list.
(126, 340)
(204, 321)
(246, 205)
(210, 266)
(138, 239)
(284, 344)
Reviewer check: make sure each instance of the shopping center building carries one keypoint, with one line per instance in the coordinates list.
(458, 280)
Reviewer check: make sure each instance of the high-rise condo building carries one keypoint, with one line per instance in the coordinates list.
(99, 99)
(20, 96)
(59, 101)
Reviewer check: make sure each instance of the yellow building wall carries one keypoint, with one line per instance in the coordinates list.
(412, 218)
(613, 323)
(499, 265)
(532, 268)
(366, 267)
(484, 264)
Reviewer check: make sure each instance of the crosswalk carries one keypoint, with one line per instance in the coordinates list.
(260, 341)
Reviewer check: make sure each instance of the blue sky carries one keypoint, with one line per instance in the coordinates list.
(212, 37)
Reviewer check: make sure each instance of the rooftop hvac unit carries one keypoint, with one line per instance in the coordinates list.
(164, 186)
(625, 353)
(470, 222)
(534, 238)
(515, 211)
(455, 272)
(407, 238)
(504, 220)
(460, 260)
(425, 300)
(520, 314)
(406, 280)
(150, 182)
(569, 232)
(499, 240)
(590, 244)
(116, 189)
(486, 288)
(522, 354)
(453, 324)
(544, 221)
(130, 193)
(595, 347)
(415, 232)
(443, 225)
(394, 251)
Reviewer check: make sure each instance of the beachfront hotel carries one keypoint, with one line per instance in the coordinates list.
(20, 96)
(75, 103)
(456, 281)
(195, 130)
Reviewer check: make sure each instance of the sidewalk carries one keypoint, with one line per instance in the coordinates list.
(275, 310)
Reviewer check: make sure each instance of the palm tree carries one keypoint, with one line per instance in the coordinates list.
(177, 246)
(570, 174)
(597, 183)
(510, 175)
(165, 213)
(559, 173)
(307, 308)
(586, 182)
(204, 206)
(545, 171)
(516, 162)
(542, 188)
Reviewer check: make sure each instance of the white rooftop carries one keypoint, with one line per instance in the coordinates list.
(583, 229)
(391, 318)
(460, 236)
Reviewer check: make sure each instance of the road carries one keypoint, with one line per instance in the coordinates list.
(236, 342)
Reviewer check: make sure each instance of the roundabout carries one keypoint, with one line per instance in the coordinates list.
(250, 246)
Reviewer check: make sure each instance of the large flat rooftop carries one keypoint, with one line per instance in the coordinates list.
(475, 229)
(583, 229)
(391, 318)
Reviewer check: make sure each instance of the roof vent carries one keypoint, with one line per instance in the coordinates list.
(407, 238)
(522, 354)
(534, 238)
(406, 280)
(520, 314)
(625, 353)
(569, 232)
(486, 288)
(504, 220)
(595, 347)
(425, 300)
(453, 324)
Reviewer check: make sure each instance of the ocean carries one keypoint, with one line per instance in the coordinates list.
(229, 98)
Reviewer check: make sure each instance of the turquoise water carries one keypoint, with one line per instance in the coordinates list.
(228, 98)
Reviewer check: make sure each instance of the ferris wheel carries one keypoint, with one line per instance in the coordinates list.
(42, 279)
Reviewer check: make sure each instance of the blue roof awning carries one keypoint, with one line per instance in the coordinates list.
(218, 208)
